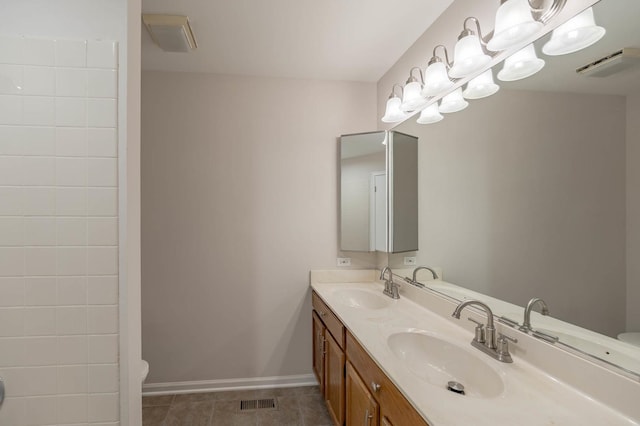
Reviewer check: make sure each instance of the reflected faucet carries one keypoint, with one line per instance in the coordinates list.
(391, 289)
(414, 281)
(544, 310)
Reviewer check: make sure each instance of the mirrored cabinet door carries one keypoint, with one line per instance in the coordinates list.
(379, 192)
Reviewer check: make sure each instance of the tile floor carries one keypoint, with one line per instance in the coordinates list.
(299, 406)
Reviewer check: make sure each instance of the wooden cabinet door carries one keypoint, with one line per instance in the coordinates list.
(318, 350)
(334, 379)
(361, 408)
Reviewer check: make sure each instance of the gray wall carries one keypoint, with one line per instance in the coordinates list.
(523, 195)
(633, 212)
(239, 184)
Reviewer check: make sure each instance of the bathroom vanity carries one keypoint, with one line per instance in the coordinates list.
(353, 385)
(381, 361)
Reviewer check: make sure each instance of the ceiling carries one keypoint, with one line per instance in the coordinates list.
(355, 40)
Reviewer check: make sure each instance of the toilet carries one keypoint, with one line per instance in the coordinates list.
(630, 337)
(144, 370)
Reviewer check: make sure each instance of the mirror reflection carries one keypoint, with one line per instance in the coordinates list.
(531, 193)
(379, 192)
(363, 192)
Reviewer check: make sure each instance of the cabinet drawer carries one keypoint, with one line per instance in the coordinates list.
(329, 319)
(393, 404)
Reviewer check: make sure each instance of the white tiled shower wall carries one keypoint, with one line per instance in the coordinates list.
(58, 232)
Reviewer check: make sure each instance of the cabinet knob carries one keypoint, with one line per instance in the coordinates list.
(375, 387)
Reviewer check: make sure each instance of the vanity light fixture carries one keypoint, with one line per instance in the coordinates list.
(430, 115)
(436, 79)
(453, 102)
(522, 64)
(481, 86)
(468, 56)
(576, 34)
(514, 24)
(412, 98)
(393, 113)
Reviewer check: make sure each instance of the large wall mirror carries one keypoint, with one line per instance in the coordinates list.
(379, 192)
(527, 193)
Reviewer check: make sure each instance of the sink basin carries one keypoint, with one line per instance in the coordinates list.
(437, 361)
(364, 299)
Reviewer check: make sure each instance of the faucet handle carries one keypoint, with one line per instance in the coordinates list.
(503, 347)
(480, 333)
(478, 323)
(504, 338)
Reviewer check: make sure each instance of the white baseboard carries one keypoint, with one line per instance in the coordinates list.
(228, 384)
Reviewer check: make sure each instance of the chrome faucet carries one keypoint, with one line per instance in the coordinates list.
(414, 280)
(485, 339)
(391, 289)
(544, 310)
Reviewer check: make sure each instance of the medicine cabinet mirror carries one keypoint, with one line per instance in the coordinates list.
(379, 192)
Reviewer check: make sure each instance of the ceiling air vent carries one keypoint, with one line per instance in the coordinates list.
(171, 32)
(612, 64)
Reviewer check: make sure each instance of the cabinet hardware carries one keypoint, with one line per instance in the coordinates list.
(367, 418)
(375, 387)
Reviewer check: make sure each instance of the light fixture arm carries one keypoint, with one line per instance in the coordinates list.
(412, 79)
(466, 31)
(544, 10)
(436, 58)
(393, 89)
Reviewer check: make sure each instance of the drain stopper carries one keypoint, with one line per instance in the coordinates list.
(455, 387)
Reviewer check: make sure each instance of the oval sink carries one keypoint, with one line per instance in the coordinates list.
(364, 299)
(437, 361)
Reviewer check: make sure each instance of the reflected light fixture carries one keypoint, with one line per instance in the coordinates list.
(393, 113)
(468, 56)
(412, 98)
(172, 33)
(481, 86)
(430, 115)
(436, 79)
(522, 64)
(453, 102)
(514, 24)
(576, 34)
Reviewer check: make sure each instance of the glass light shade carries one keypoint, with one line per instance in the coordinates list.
(411, 98)
(577, 33)
(436, 79)
(481, 86)
(393, 113)
(453, 102)
(468, 57)
(522, 64)
(430, 115)
(514, 24)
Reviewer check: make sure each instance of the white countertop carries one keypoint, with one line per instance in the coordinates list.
(530, 395)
